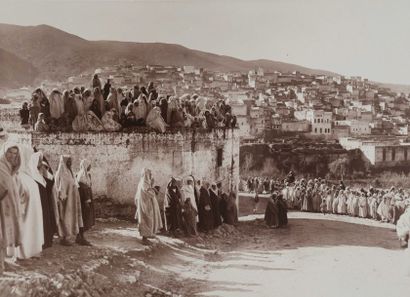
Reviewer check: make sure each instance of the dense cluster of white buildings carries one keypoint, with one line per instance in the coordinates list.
(272, 104)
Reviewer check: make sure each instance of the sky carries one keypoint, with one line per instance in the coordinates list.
(370, 38)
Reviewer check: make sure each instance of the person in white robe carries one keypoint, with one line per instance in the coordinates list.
(32, 233)
(188, 192)
(403, 226)
(68, 200)
(155, 120)
(10, 206)
(148, 214)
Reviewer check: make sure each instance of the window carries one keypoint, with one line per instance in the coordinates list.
(320, 130)
(405, 154)
(384, 154)
(315, 130)
(393, 154)
(219, 157)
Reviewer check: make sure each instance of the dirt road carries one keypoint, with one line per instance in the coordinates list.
(315, 255)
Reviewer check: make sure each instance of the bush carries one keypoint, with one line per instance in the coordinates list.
(390, 179)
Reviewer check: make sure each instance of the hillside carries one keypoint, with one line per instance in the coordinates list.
(15, 72)
(58, 54)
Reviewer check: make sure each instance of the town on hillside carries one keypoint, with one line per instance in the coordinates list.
(268, 105)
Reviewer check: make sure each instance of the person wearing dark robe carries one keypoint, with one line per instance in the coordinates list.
(96, 83)
(342, 186)
(282, 211)
(106, 90)
(189, 215)
(44, 104)
(136, 93)
(291, 177)
(163, 105)
(205, 209)
(228, 208)
(83, 178)
(25, 115)
(173, 208)
(209, 120)
(272, 212)
(45, 182)
(70, 110)
(143, 90)
(213, 193)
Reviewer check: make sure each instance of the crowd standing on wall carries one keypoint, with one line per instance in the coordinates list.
(36, 204)
(111, 109)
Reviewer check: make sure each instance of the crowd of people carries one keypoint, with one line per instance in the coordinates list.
(265, 185)
(38, 204)
(317, 195)
(107, 108)
(189, 205)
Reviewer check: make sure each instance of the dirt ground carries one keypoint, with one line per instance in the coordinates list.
(315, 255)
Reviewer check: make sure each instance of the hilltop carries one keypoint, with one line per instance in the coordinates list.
(15, 72)
(58, 54)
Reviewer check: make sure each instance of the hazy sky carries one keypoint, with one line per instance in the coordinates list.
(353, 37)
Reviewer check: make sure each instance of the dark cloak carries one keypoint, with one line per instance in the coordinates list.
(217, 221)
(205, 210)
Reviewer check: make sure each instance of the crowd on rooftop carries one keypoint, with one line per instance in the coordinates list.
(109, 108)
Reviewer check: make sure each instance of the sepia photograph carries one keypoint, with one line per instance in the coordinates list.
(221, 148)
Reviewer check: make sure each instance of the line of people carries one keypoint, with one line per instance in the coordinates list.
(187, 207)
(319, 196)
(114, 109)
(37, 203)
(265, 185)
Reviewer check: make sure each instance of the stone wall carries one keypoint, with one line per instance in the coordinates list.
(118, 158)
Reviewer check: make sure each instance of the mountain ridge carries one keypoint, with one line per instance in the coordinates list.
(58, 54)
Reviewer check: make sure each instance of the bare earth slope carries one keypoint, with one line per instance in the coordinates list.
(15, 72)
(58, 54)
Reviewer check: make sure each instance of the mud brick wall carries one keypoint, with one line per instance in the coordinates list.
(118, 158)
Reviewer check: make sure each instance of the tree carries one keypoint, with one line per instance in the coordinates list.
(247, 163)
(339, 167)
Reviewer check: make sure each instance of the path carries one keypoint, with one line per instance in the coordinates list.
(315, 256)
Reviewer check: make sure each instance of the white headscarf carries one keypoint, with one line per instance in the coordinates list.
(188, 191)
(83, 176)
(63, 173)
(25, 155)
(33, 166)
